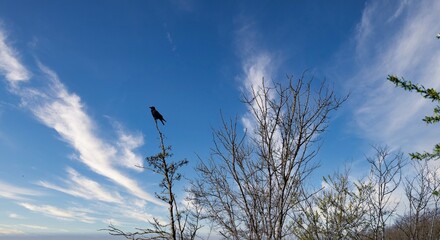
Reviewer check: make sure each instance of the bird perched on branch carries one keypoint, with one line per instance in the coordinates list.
(157, 115)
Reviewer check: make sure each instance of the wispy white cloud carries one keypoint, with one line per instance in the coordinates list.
(27, 230)
(36, 227)
(10, 66)
(399, 10)
(141, 215)
(62, 214)
(9, 191)
(63, 111)
(129, 213)
(127, 143)
(257, 64)
(259, 67)
(396, 39)
(80, 186)
(364, 28)
(57, 108)
(8, 230)
(405, 46)
(256, 69)
(15, 216)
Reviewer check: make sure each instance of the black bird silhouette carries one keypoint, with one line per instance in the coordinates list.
(157, 115)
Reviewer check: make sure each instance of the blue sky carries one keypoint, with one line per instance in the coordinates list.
(77, 78)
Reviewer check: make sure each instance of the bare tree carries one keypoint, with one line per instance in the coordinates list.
(182, 225)
(339, 211)
(251, 186)
(385, 176)
(420, 218)
(434, 217)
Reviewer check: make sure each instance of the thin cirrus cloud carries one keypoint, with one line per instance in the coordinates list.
(400, 40)
(258, 68)
(257, 71)
(10, 66)
(12, 192)
(80, 186)
(15, 216)
(54, 106)
(256, 65)
(62, 214)
(8, 230)
(393, 38)
(37, 227)
(63, 111)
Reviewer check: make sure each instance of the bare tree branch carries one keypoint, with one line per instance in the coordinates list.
(253, 182)
(182, 225)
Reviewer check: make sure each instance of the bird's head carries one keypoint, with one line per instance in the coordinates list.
(152, 108)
